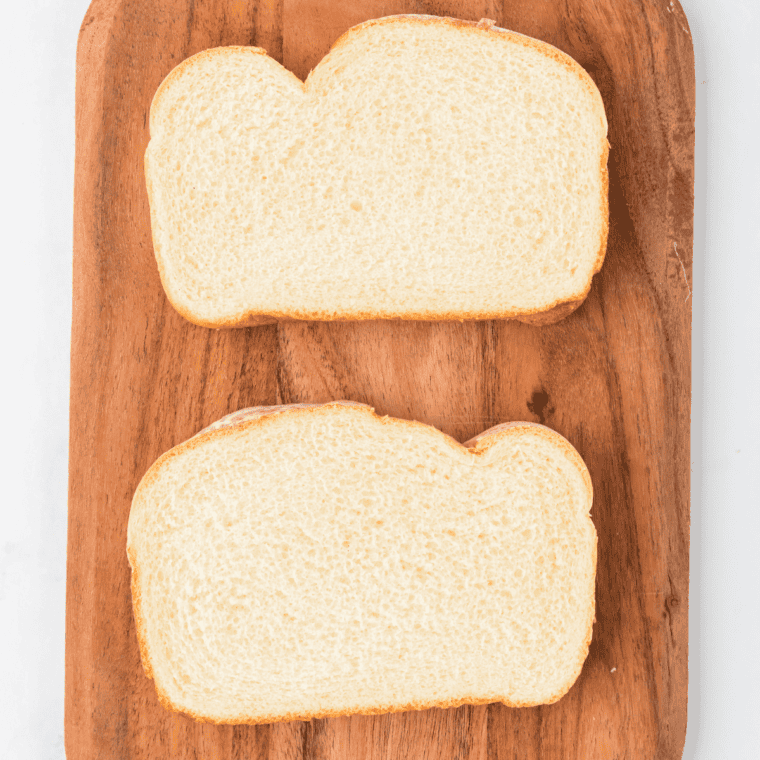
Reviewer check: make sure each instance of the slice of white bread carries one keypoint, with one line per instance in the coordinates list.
(298, 562)
(428, 168)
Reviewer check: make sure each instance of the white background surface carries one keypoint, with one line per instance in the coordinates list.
(37, 130)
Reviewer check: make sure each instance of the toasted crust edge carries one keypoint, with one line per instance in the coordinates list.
(549, 314)
(478, 445)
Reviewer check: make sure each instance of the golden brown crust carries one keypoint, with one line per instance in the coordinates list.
(553, 315)
(546, 315)
(136, 588)
(477, 446)
(556, 311)
(443, 704)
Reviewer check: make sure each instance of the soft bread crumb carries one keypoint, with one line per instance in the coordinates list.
(291, 563)
(427, 168)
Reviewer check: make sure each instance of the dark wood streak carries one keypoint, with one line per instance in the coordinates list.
(613, 377)
(190, 20)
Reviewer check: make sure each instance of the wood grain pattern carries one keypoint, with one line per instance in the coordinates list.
(614, 378)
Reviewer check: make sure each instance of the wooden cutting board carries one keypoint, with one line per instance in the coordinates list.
(614, 378)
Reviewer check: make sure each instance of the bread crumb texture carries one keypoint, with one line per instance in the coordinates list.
(426, 169)
(323, 560)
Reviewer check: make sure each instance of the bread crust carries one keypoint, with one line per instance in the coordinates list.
(256, 416)
(548, 314)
